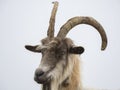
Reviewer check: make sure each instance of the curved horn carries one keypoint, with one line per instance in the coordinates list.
(50, 32)
(83, 20)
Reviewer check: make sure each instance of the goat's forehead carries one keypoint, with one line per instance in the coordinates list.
(55, 42)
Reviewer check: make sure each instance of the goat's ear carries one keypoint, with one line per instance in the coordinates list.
(32, 48)
(76, 50)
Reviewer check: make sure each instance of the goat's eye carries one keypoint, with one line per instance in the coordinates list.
(60, 54)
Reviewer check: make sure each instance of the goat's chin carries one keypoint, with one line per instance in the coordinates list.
(42, 80)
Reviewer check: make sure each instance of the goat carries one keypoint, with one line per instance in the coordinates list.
(60, 65)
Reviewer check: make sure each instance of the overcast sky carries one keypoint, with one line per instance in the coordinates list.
(26, 22)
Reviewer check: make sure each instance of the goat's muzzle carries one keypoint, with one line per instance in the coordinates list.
(41, 76)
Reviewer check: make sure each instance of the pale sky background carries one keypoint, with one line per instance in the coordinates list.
(26, 22)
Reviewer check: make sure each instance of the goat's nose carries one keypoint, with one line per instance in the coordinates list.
(39, 73)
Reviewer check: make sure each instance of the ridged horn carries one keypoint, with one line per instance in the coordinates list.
(83, 20)
(50, 32)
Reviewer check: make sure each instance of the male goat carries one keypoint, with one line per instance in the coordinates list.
(59, 68)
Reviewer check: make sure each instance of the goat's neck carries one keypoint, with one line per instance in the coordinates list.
(73, 81)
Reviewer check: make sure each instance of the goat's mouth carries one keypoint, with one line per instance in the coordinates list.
(42, 79)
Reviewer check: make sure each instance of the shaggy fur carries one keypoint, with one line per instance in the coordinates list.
(71, 72)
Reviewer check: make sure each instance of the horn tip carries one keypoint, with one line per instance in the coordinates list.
(104, 45)
(54, 2)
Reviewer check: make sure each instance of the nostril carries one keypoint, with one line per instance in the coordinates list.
(39, 73)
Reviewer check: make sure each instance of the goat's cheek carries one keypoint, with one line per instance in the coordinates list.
(57, 70)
